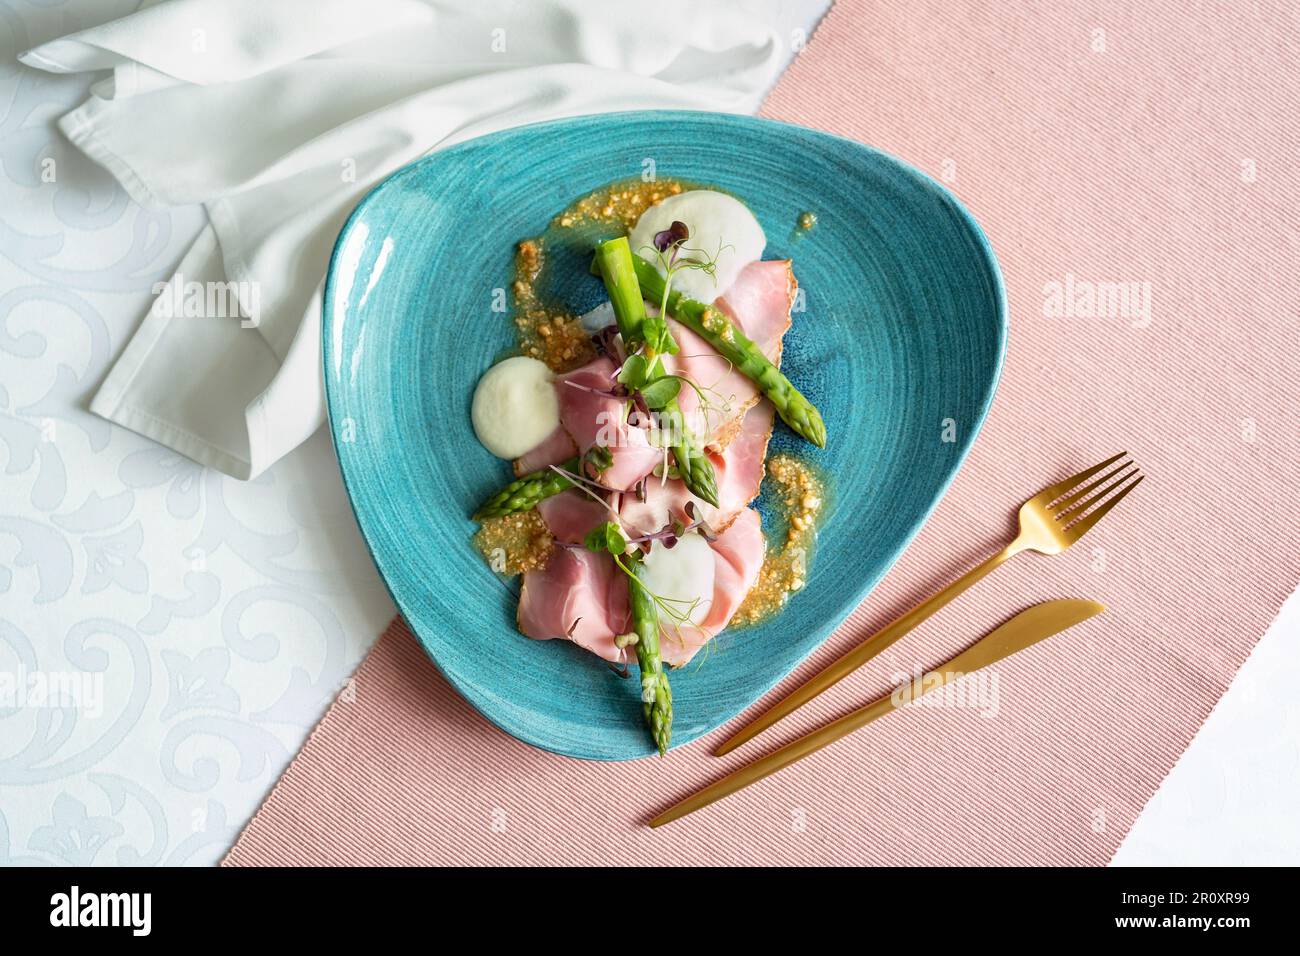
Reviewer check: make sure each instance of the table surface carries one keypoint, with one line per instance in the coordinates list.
(218, 618)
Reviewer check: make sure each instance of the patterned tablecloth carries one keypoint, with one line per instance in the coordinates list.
(190, 628)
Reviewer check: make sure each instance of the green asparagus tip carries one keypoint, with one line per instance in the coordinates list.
(707, 494)
(818, 430)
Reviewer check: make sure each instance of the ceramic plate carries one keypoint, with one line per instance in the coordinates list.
(899, 344)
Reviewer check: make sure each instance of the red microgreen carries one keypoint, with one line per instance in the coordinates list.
(674, 235)
(604, 341)
(618, 391)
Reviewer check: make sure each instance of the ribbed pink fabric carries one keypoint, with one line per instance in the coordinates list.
(1153, 142)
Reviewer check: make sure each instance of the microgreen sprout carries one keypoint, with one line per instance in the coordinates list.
(668, 248)
(586, 486)
(618, 391)
(611, 538)
(678, 611)
(606, 537)
(672, 237)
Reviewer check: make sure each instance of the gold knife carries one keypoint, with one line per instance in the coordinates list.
(1025, 629)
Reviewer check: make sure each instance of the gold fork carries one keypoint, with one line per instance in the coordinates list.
(1024, 630)
(1050, 522)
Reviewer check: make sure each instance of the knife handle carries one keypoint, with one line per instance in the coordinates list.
(1025, 629)
(851, 660)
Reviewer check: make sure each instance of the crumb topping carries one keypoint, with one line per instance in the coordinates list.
(800, 497)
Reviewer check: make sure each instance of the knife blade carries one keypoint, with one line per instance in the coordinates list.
(1024, 630)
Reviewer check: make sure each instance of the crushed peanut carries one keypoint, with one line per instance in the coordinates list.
(516, 543)
(799, 496)
(546, 330)
(551, 334)
(620, 203)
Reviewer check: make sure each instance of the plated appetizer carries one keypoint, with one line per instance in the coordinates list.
(639, 434)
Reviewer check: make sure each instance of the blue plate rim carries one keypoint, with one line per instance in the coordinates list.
(521, 731)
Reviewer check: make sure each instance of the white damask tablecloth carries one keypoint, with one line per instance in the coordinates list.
(215, 618)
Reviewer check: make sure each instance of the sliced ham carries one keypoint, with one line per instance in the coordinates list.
(739, 473)
(759, 303)
(557, 447)
(593, 418)
(571, 514)
(739, 552)
(581, 596)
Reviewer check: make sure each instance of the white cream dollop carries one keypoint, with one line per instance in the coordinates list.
(599, 317)
(720, 226)
(683, 574)
(515, 407)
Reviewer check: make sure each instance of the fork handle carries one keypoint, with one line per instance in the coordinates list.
(851, 660)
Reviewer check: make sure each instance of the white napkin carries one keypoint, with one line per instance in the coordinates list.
(280, 116)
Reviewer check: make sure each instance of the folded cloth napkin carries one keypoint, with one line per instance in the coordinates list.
(278, 117)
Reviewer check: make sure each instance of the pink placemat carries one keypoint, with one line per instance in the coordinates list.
(1151, 143)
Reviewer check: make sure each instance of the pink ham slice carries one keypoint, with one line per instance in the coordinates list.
(759, 302)
(581, 596)
(739, 473)
(578, 589)
(557, 447)
(571, 514)
(739, 552)
(591, 418)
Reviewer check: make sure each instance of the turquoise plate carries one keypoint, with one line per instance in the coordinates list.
(899, 344)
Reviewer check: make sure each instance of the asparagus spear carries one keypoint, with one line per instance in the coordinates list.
(656, 695)
(692, 464)
(617, 268)
(714, 327)
(523, 493)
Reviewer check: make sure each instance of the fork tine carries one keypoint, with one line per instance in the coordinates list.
(1070, 501)
(1052, 492)
(1077, 511)
(1082, 525)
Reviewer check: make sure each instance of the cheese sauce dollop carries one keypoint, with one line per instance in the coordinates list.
(515, 407)
(722, 229)
(683, 575)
